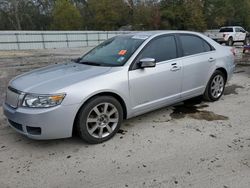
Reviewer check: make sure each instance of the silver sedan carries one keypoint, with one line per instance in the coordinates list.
(123, 77)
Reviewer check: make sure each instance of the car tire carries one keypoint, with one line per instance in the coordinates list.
(230, 42)
(215, 87)
(99, 119)
(246, 41)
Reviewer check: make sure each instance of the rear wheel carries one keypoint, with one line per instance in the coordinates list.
(215, 86)
(230, 41)
(99, 119)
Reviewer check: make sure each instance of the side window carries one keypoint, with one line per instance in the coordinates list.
(207, 47)
(194, 45)
(242, 30)
(237, 29)
(161, 49)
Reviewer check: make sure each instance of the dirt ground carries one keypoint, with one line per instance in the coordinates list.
(193, 144)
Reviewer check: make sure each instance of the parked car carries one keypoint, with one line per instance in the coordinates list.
(246, 48)
(229, 35)
(123, 77)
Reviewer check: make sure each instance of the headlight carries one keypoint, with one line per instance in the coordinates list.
(42, 101)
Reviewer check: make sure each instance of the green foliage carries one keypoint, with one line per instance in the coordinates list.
(195, 19)
(227, 12)
(196, 15)
(65, 16)
(146, 16)
(108, 14)
(22, 14)
(185, 15)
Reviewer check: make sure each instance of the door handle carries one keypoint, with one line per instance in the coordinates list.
(211, 59)
(175, 68)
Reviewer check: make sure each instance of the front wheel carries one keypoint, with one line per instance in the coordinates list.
(99, 119)
(246, 41)
(215, 86)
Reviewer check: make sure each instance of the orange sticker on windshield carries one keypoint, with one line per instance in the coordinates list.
(122, 52)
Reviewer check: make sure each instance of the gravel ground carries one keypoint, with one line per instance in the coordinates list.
(192, 144)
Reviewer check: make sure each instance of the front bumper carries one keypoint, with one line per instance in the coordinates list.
(41, 124)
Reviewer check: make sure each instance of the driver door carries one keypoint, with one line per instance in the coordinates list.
(160, 85)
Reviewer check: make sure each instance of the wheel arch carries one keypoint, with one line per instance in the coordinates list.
(112, 94)
(223, 70)
(206, 94)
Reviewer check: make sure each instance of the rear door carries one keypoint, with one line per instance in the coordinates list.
(238, 35)
(154, 87)
(198, 58)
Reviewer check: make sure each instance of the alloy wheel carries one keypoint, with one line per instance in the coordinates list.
(102, 120)
(217, 86)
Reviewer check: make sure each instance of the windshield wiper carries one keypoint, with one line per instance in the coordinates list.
(89, 63)
(78, 60)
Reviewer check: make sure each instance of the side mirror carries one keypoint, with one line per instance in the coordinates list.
(147, 63)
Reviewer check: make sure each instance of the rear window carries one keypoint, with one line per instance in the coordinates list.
(226, 29)
(194, 45)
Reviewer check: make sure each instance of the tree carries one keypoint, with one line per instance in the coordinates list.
(171, 14)
(112, 14)
(108, 14)
(241, 13)
(146, 15)
(217, 12)
(195, 19)
(66, 16)
(227, 12)
(183, 14)
(24, 14)
(11, 10)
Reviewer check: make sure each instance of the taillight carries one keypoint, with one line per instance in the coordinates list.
(233, 51)
(225, 35)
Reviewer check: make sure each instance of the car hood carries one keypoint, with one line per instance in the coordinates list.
(53, 78)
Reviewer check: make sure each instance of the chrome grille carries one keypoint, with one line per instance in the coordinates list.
(12, 98)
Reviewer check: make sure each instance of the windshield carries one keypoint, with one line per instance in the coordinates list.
(113, 52)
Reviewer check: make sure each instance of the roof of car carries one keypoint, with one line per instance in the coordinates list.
(231, 26)
(157, 32)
